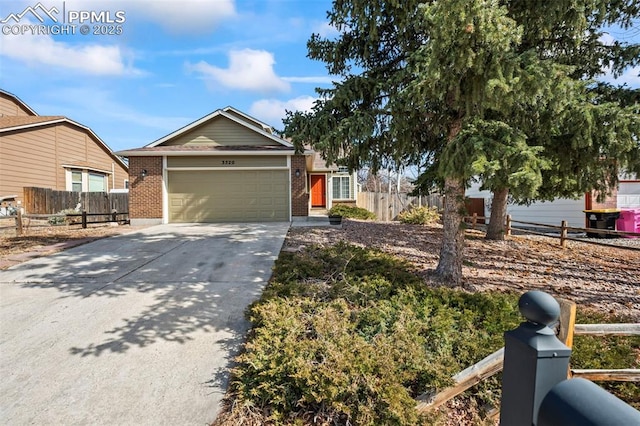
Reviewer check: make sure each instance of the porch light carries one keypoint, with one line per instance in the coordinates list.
(297, 172)
(143, 173)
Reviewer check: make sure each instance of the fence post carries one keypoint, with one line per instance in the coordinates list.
(19, 229)
(474, 220)
(508, 225)
(563, 234)
(534, 360)
(567, 321)
(84, 219)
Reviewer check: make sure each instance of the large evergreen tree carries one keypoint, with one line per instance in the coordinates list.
(587, 136)
(456, 85)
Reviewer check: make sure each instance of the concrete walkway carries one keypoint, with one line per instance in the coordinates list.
(136, 329)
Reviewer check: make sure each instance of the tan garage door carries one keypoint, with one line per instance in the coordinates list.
(228, 196)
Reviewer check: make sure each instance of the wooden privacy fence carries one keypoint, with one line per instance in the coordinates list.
(50, 201)
(388, 206)
(567, 328)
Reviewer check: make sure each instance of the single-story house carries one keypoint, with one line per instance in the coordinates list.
(230, 167)
(53, 152)
(627, 196)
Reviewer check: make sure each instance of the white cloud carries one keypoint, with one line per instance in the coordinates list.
(311, 80)
(631, 77)
(95, 59)
(272, 111)
(249, 69)
(606, 39)
(326, 30)
(186, 16)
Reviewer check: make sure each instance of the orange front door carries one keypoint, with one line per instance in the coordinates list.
(318, 191)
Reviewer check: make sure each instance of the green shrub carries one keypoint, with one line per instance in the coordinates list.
(419, 216)
(346, 335)
(351, 212)
(59, 220)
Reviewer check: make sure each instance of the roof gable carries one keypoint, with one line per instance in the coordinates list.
(27, 123)
(223, 127)
(250, 120)
(10, 98)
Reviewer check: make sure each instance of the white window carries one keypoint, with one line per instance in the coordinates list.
(97, 182)
(341, 187)
(76, 180)
(83, 180)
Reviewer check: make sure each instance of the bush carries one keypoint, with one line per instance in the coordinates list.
(59, 220)
(351, 212)
(420, 216)
(346, 335)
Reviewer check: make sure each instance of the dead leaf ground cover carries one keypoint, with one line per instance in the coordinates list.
(602, 278)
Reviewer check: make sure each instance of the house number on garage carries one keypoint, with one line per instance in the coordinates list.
(228, 162)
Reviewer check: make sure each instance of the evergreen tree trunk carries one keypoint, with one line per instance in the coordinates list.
(450, 263)
(495, 230)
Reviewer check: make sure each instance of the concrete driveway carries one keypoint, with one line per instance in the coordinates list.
(136, 329)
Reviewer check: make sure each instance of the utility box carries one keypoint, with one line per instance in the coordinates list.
(629, 221)
(603, 219)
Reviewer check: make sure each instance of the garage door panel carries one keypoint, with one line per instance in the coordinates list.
(233, 195)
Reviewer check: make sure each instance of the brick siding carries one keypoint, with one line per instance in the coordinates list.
(145, 194)
(610, 202)
(299, 194)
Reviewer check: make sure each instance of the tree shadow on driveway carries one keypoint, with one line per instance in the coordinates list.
(190, 278)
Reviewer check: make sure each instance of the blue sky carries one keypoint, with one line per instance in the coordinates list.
(174, 62)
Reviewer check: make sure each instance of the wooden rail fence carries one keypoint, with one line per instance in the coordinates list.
(112, 217)
(563, 230)
(493, 363)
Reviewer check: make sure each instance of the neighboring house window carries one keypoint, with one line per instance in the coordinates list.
(126, 184)
(76, 180)
(86, 180)
(97, 182)
(341, 187)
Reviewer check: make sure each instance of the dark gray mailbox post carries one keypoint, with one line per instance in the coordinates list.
(534, 360)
